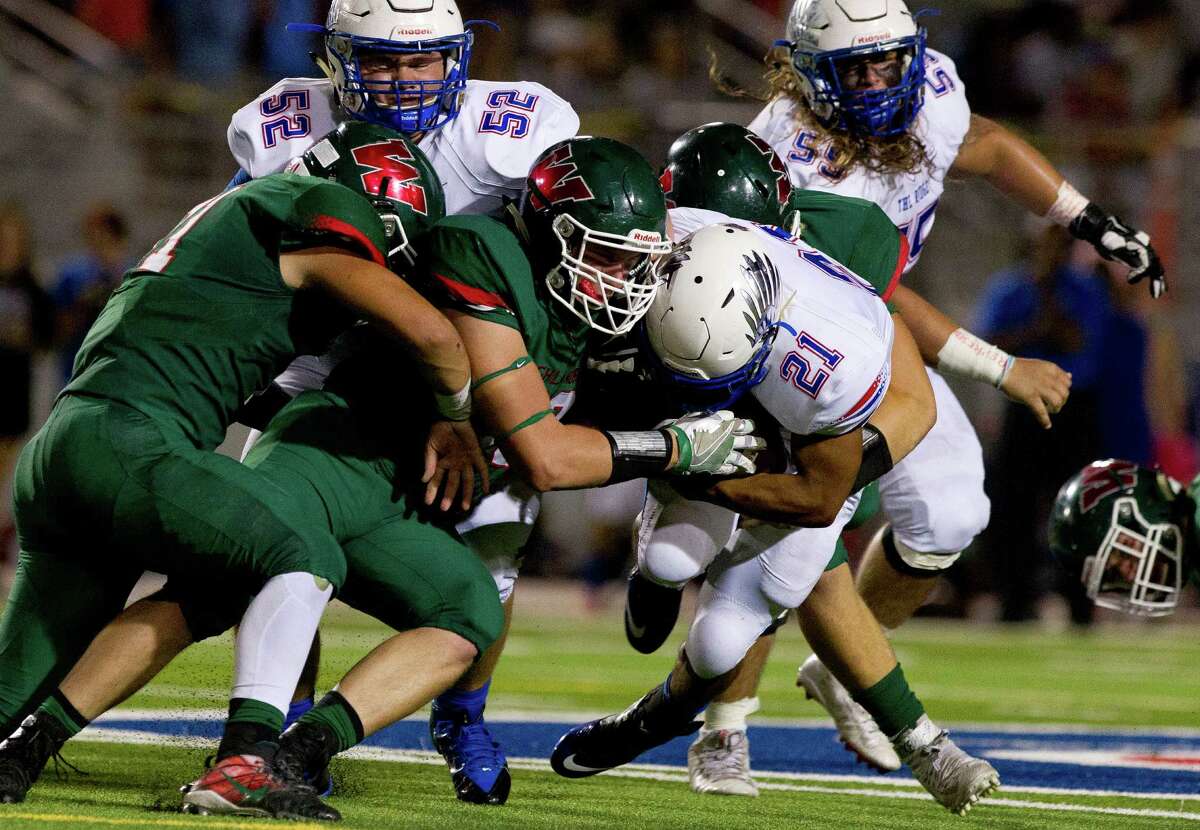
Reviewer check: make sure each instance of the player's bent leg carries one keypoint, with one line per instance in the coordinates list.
(935, 503)
(842, 631)
(667, 711)
(496, 532)
(675, 539)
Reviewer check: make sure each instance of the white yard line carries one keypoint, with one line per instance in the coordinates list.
(891, 787)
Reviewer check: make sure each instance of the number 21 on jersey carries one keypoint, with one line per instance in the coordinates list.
(810, 364)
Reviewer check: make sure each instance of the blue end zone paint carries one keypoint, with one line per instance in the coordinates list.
(814, 749)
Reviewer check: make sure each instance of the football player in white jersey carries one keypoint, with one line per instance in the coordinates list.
(404, 64)
(861, 107)
(747, 308)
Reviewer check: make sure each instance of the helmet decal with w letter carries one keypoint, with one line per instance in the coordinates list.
(390, 171)
(1098, 481)
(727, 168)
(390, 162)
(556, 178)
(596, 219)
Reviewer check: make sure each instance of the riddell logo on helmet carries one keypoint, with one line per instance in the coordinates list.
(413, 30)
(645, 236)
(863, 40)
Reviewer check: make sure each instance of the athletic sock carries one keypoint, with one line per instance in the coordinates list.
(892, 703)
(64, 714)
(252, 728)
(275, 635)
(335, 712)
(297, 710)
(467, 702)
(729, 715)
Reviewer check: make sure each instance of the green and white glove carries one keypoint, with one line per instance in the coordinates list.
(718, 443)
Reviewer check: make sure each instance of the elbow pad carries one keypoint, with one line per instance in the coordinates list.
(876, 458)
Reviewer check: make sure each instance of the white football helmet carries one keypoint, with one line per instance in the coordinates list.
(355, 27)
(826, 36)
(712, 324)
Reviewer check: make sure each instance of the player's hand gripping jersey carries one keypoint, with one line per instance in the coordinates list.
(830, 364)
(482, 156)
(205, 318)
(909, 199)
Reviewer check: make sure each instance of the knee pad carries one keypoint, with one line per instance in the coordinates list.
(915, 563)
(677, 538)
(723, 631)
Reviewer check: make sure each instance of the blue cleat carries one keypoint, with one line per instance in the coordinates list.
(618, 739)
(477, 764)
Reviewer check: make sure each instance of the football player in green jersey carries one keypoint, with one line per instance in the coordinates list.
(1130, 533)
(337, 453)
(122, 477)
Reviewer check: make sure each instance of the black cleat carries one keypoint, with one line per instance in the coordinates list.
(618, 739)
(650, 613)
(478, 768)
(24, 755)
(305, 750)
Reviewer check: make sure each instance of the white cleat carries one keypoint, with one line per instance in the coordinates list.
(719, 763)
(957, 780)
(855, 726)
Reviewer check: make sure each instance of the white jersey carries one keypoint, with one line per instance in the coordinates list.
(831, 362)
(909, 199)
(481, 156)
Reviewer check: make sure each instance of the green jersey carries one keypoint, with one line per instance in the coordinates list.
(205, 319)
(855, 232)
(476, 265)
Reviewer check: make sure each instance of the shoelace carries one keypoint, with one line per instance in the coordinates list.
(476, 745)
(728, 758)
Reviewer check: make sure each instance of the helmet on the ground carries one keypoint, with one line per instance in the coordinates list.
(596, 218)
(828, 39)
(358, 28)
(712, 325)
(729, 169)
(389, 170)
(1121, 527)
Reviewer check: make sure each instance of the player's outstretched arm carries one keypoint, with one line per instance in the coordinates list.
(453, 458)
(951, 349)
(512, 404)
(1018, 170)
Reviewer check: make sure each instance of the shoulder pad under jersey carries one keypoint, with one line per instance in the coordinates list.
(831, 362)
(280, 124)
(485, 153)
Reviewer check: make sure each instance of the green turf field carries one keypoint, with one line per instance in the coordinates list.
(1116, 676)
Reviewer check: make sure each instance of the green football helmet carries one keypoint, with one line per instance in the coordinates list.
(596, 219)
(729, 169)
(388, 169)
(1122, 528)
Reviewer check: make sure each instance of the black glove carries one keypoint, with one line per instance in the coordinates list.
(1115, 240)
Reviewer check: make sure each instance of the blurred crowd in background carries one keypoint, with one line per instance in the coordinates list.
(1109, 89)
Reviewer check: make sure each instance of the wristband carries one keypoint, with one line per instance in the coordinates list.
(455, 406)
(876, 457)
(965, 355)
(638, 454)
(1067, 207)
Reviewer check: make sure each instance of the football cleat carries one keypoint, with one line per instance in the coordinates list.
(247, 785)
(305, 749)
(650, 612)
(957, 780)
(618, 739)
(24, 755)
(856, 728)
(719, 763)
(478, 768)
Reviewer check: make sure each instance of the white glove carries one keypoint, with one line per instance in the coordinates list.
(719, 443)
